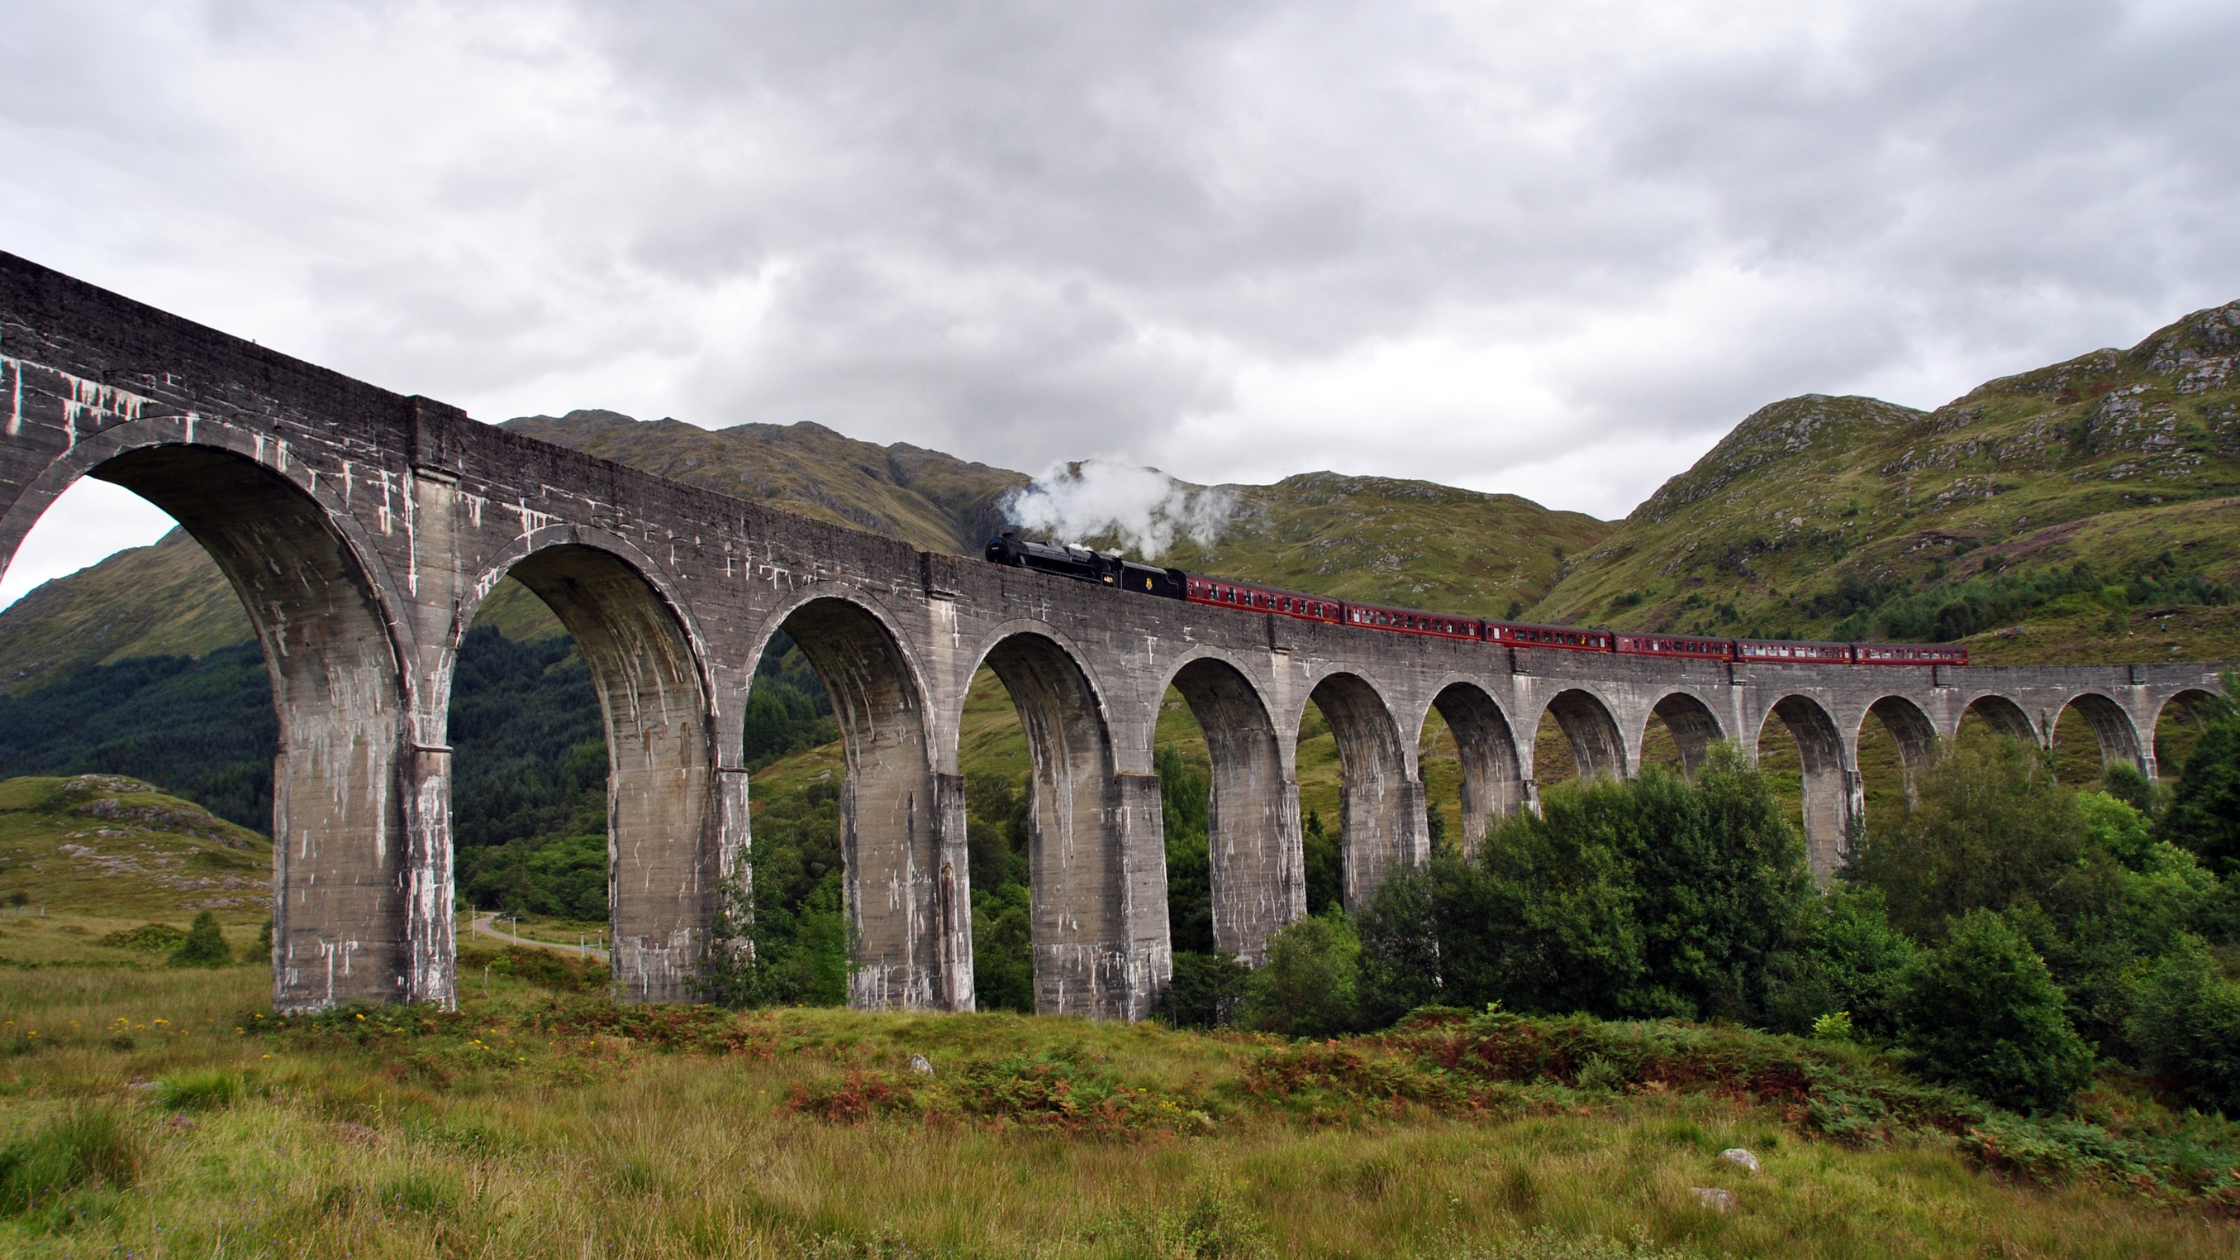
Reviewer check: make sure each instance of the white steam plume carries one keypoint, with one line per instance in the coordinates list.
(1143, 507)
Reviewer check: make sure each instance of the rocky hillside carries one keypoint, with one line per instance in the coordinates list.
(1852, 517)
(112, 846)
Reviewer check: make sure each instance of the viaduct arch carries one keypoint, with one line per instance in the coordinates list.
(362, 529)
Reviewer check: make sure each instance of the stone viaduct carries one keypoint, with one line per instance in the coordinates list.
(362, 529)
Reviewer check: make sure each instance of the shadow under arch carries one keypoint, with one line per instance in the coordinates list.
(1597, 746)
(1915, 734)
(1693, 725)
(2171, 748)
(664, 870)
(902, 829)
(1829, 785)
(2002, 715)
(361, 854)
(1254, 853)
(1380, 805)
(1492, 782)
(1094, 953)
(2111, 727)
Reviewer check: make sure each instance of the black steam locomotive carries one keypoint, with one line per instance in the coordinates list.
(1085, 565)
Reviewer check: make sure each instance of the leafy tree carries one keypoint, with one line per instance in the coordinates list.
(205, 945)
(1982, 1011)
(1560, 932)
(1305, 986)
(1003, 949)
(1722, 886)
(1184, 797)
(1990, 829)
(2129, 784)
(1326, 866)
(782, 931)
(2187, 1026)
(2116, 825)
(1654, 896)
(1845, 958)
(202, 727)
(2204, 813)
(1399, 967)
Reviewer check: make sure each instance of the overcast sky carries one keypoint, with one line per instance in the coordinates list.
(1556, 249)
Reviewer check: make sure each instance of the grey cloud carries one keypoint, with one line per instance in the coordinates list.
(1029, 232)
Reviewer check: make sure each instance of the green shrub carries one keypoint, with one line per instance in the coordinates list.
(1305, 987)
(155, 938)
(1846, 957)
(205, 945)
(1982, 1012)
(1213, 1224)
(88, 1147)
(1206, 990)
(2186, 1025)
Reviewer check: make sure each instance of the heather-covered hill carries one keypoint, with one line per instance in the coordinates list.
(1854, 518)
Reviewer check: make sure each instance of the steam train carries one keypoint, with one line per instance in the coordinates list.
(1120, 573)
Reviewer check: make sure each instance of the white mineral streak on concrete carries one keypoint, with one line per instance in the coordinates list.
(15, 408)
(348, 482)
(383, 511)
(531, 519)
(411, 537)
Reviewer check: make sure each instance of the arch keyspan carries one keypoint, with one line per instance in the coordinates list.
(362, 529)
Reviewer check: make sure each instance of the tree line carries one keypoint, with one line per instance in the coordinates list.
(2007, 932)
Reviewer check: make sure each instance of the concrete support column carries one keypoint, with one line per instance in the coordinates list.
(430, 925)
(951, 913)
(1259, 866)
(1140, 832)
(734, 851)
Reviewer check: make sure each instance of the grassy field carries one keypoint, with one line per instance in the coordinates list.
(535, 1123)
(116, 849)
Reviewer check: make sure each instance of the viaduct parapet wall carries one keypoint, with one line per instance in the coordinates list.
(363, 530)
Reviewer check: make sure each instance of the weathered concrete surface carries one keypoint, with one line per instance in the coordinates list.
(363, 529)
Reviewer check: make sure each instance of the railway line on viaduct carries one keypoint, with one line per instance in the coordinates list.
(362, 530)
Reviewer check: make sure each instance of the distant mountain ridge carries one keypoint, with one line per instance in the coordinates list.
(932, 500)
(1852, 517)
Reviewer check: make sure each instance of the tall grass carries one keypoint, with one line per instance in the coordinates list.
(510, 1137)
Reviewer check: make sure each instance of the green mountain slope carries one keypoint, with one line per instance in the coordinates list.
(1385, 540)
(115, 847)
(932, 500)
(1851, 517)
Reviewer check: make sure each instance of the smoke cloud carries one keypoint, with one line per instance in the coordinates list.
(1143, 508)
